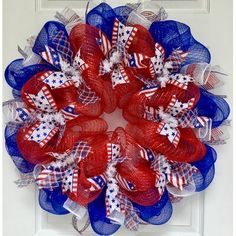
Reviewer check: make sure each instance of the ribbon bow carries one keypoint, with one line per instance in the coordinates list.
(49, 118)
(160, 67)
(115, 52)
(64, 170)
(69, 70)
(168, 172)
(114, 208)
(182, 111)
(177, 107)
(168, 127)
(118, 208)
(188, 118)
(68, 73)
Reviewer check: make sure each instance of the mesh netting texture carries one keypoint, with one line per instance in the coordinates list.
(151, 68)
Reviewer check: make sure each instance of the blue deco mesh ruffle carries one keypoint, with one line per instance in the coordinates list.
(206, 168)
(17, 75)
(172, 34)
(213, 107)
(53, 201)
(16, 94)
(55, 36)
(157, 214)
(97, 214)
(12, 148)
(103, 16)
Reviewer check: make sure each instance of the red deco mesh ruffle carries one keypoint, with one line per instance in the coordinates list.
(135, 109)
(66, 137)
(189, 148)
(84, 37)
(62, 96)
(137, 170)
(75, 130)
(163, 96)
(93, 165)
(96, 163)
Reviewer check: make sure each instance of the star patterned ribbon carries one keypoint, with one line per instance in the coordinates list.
(68, 74)
(115, 52)
(182, 111)
(49, 118)
(186, 117)
(168, 172)
(118, 208)
(170, 131)
(179, 80)
(159, 66)
(177, 107)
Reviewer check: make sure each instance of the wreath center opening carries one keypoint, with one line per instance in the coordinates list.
(114, 119)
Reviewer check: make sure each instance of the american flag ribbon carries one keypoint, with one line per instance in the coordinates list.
(137, 59)
(52, 57)
(180, 80)
(148, 90)
(97, 182)
(123, 183)
(123, 35)
(176, 107)
(171, 132)
(69, 113)
(104, 43)
(157, 61)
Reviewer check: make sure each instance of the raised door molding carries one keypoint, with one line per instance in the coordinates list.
(177, 6)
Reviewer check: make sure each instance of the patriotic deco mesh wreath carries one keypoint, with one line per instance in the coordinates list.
(127, 57)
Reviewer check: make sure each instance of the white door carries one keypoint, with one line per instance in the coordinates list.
(206, 214)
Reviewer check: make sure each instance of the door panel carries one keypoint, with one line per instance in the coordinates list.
(205, 214)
